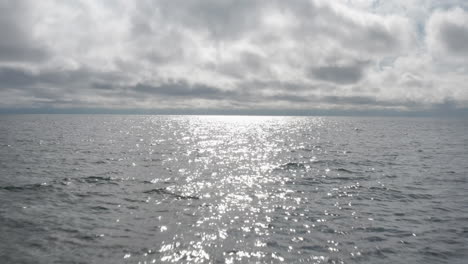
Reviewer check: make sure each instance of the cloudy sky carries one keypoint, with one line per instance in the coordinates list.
(249, 55)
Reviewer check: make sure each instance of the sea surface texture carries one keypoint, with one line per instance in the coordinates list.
(215, 189)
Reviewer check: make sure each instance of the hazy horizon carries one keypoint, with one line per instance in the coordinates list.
(451, 113)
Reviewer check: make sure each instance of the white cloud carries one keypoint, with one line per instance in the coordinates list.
(246, 54)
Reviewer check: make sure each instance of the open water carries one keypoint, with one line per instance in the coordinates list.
(232, 189)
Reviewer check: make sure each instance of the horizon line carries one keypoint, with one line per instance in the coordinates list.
(452, 112)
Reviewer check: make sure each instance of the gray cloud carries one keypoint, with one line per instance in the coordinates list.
(16, 43)
(290, 98)
(363, 100)
(455, 38)
(353, 101)
(244, 64)
(56, 87)
(447, 32)
(370, 35)
(379, 39)
(340, 74)
(181, 88)
(247, 54)
(14, 78)
(222, 19)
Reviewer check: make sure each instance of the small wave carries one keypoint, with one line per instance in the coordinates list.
(99, 162)
(342, 178)
(419, 196)
(164, 191)
(293, 166)
(305, 149)
(346, 170)
(98, 179)
(26, 187)
(375, 239)
(99, 208)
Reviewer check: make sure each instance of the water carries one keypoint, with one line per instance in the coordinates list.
(206, 189)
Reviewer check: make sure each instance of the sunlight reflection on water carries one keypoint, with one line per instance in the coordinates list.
(236, 189)
(231, 160)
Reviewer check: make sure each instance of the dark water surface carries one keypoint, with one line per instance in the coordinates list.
(205, 189)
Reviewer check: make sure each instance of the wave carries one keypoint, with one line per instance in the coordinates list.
(164, 191)
(26, 187)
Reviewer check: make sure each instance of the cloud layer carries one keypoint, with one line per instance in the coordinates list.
(234, 54)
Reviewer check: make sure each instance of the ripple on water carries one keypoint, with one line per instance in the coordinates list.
(194, 189)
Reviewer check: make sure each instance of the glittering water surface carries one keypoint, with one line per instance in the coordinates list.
(207, 189)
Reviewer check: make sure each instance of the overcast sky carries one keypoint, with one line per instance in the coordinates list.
(277, 55)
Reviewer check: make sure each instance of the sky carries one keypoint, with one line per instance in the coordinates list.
(239, 56)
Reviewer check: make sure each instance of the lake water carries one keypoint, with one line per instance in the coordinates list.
(232, 189)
